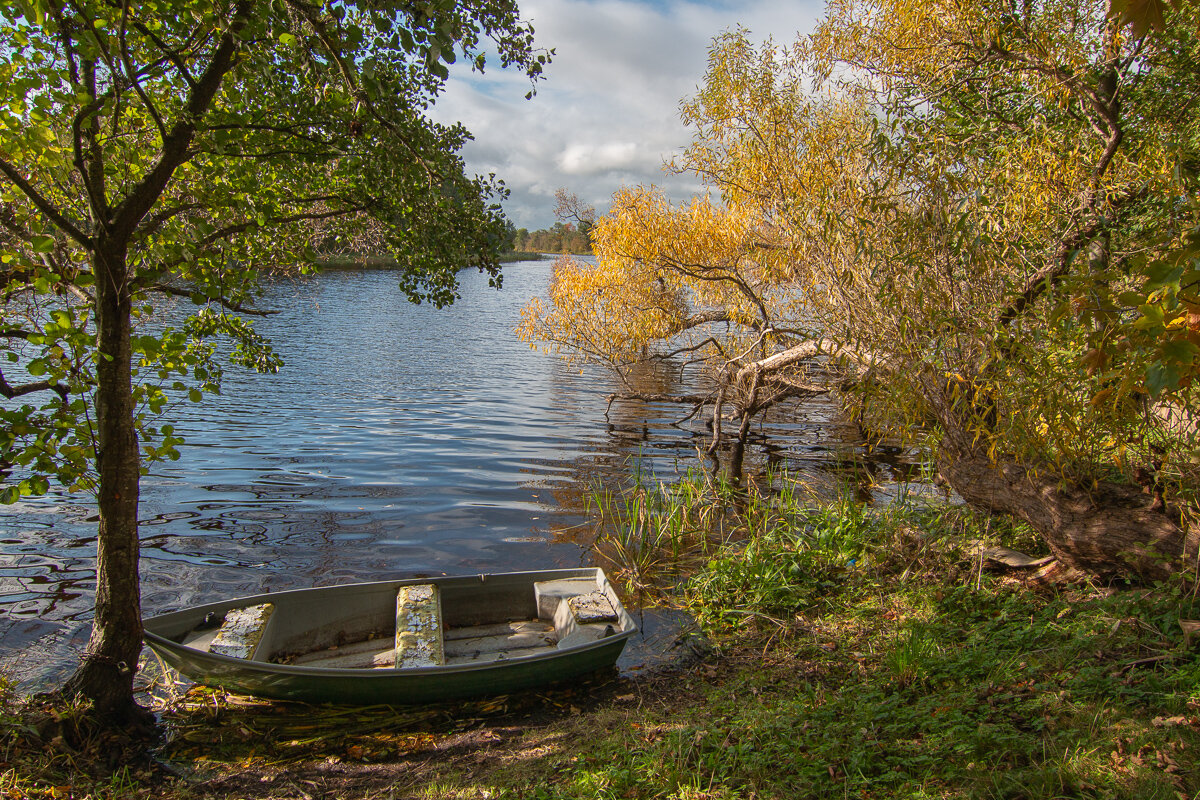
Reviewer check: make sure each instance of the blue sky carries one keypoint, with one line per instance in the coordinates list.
(607, 114)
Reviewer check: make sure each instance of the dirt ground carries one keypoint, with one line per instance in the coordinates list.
(222, 747)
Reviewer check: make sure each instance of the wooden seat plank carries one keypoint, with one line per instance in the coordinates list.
(419, 627)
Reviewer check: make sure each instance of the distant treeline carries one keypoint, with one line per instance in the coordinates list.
(522, 245)
(564, 237)
(350, 263)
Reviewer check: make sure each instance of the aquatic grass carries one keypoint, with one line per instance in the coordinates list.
(655, 531)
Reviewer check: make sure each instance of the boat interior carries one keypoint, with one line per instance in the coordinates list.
(413, 625)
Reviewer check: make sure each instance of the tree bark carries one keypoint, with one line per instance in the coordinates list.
(1107, 530)
(105, 675)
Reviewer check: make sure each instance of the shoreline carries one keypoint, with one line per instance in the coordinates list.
(883, 659)
(383, 263)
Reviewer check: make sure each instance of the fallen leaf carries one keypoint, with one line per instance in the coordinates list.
(1168, 722)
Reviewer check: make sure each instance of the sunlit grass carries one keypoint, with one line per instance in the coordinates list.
(859, 653)
(654, 533)
(870, 654)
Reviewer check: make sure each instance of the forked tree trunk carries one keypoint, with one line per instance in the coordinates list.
(1107, 530)
(105, 675)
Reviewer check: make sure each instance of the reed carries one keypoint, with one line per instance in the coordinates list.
(656, 532)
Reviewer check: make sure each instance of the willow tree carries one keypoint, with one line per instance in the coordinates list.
(975, 213)
(177, 150)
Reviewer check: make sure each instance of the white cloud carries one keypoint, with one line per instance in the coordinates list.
(607, 114)
(589, 159)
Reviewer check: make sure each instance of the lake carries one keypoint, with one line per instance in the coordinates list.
(397, 441)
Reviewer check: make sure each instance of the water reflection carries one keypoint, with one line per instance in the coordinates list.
(397, 441)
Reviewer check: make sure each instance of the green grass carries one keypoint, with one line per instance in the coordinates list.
(868, 656)
(859, 653)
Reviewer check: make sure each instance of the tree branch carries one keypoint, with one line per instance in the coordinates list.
(1064, 256)
(177, 291)
(10, 392)
(45, 206)
(175, 146)
(132, 75)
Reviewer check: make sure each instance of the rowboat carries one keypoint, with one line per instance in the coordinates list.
(403, 641)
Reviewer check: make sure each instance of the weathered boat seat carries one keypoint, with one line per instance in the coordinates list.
(241, 631)
(550, 593)
(419, 627)
(580, 610)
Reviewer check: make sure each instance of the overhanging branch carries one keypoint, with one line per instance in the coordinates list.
(178, 291)
(11, 392)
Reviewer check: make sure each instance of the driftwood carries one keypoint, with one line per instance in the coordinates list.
(1011, 559)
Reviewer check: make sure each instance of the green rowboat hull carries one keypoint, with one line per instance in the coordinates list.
(314, 613)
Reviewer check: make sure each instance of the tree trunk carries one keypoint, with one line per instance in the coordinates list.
(105, 675)
(1107, 530)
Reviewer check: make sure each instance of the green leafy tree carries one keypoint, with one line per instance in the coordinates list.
(177, 150)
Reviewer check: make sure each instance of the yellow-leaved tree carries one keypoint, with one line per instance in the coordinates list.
(958, 213)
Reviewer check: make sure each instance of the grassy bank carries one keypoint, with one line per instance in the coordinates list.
(874, 654)
(854, 653)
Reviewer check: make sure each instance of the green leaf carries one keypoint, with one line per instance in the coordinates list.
(1180, 351)
(1161, 378)
(1160, 274)
(42, 244)
(1152, 314)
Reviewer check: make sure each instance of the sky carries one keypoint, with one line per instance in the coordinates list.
(607, 114)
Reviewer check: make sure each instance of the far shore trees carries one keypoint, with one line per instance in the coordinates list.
(180, 149)
(977, 221)
(564, 237)
(571, 234)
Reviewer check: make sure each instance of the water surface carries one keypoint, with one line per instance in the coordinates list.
(397, 441)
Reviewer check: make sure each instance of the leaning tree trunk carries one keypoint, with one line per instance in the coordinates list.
(105, 675)
(1107, 530)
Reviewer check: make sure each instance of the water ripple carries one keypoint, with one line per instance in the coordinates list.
(396, 441)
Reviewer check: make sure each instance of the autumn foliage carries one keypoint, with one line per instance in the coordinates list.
(981, 215)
